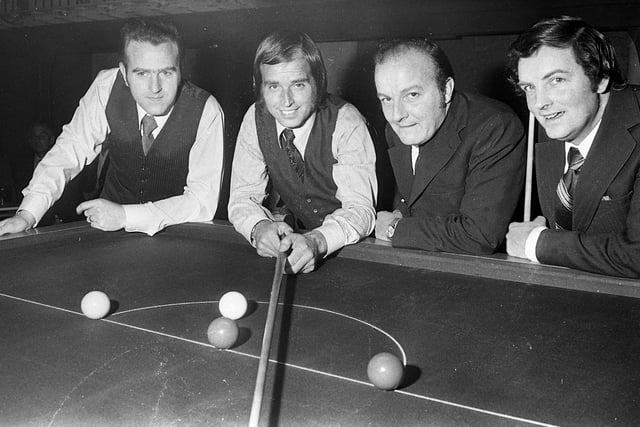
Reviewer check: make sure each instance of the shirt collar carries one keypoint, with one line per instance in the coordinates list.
(415, 152)
(301, 133)
(585, 144)
(160, 120)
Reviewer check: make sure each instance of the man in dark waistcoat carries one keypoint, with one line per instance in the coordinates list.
(303, 152)
(458, 158)
(588, 160)
(163, 134)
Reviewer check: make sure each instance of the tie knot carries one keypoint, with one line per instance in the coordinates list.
(148, 124)
(286, 138)
(574, 158)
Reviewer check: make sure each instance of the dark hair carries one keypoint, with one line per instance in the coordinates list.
(149, 31)
(286, 46)
(393, 47)
(592, 51)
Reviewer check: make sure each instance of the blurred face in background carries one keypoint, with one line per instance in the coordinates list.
(41, 139)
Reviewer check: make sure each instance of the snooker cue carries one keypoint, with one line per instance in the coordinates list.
(529, 173)
(266, 340)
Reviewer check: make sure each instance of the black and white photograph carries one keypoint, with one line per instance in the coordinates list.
(344, 213)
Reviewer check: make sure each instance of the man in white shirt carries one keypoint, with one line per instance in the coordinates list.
(304, 151)
(588, 163)
(164, 136)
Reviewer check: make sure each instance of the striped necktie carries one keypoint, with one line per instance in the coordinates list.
(148, 125)
(295, 159)
(566, 189)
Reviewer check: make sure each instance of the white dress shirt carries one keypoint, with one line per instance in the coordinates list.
(81, 142)
(353, 173)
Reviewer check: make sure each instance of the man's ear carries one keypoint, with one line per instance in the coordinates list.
(448, 89)
(123, 71)
(603, 85)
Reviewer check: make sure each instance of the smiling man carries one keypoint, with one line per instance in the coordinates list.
(588, 163)
(458, 158)
(164, 137)
(303, 177)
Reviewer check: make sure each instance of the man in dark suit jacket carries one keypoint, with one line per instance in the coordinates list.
(458, 158)
(568, 71)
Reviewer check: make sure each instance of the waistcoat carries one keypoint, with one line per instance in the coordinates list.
(134, 178)
(309, 201)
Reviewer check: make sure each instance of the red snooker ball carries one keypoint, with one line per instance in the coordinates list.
(385, 371)
(223, 333)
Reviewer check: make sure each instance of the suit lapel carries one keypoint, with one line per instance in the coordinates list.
(611, 148)
(434, 155)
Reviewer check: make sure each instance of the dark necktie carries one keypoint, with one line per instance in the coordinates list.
(102, 169)
(295, 159)
(566, 189)
(148, 125)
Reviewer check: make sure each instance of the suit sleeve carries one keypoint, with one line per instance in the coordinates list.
(615, 253)
(492, 188)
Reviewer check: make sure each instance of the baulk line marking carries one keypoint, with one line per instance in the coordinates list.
(290, 365)
(340, 377)
(388, 335)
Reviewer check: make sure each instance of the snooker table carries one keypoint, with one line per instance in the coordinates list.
(488, 341)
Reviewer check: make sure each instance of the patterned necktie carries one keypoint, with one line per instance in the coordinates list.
(295, 159)
(566, 189)
(148, 125)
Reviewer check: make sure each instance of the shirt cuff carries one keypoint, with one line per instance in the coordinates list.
(36, 206)
(248, 223)
(252, 237)
(334, 236)
(137, 218)
(532, 242)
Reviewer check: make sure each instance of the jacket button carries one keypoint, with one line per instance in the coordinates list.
(308, 200)
(315, 211)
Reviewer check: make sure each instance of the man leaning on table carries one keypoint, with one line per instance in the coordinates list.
(588, 162)
(304, 154)
(458, 158)
(164, 136)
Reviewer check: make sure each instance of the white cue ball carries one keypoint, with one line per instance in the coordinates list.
(95, 305)
(233, 305)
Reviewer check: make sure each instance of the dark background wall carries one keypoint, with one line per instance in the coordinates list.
(46, 69)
